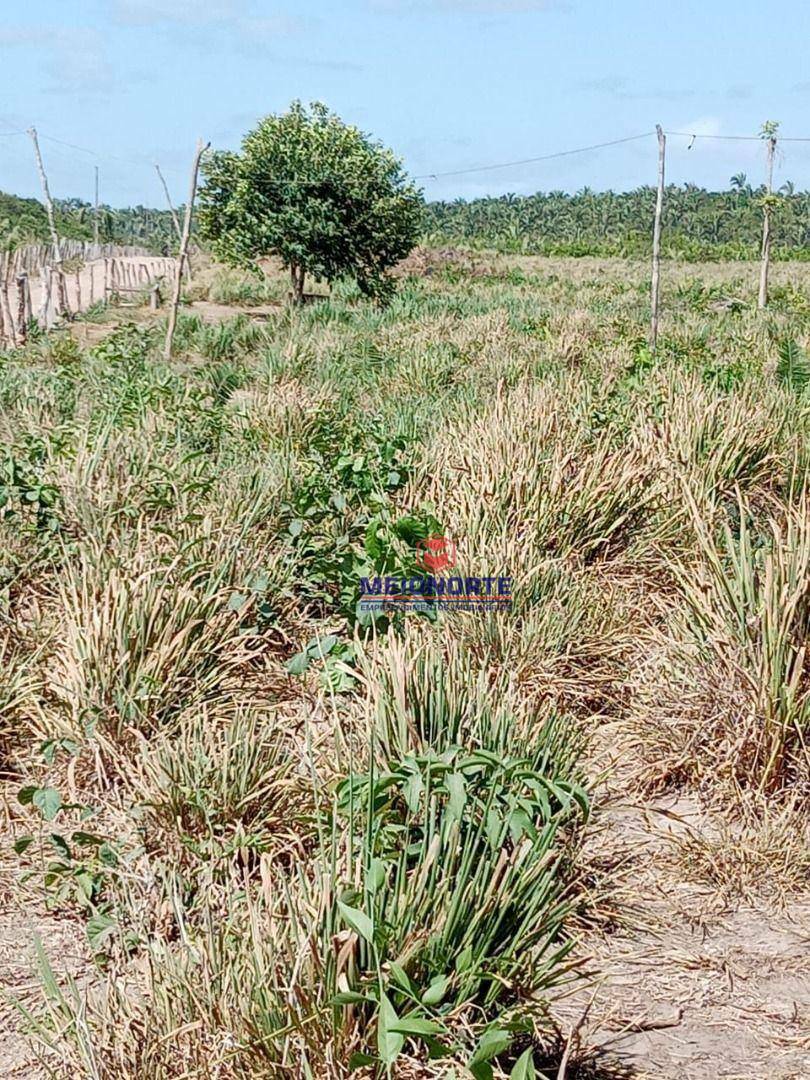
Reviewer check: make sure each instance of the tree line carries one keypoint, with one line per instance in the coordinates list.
(24, 221)
(698, 223)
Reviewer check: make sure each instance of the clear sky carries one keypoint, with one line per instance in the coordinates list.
(447, 83)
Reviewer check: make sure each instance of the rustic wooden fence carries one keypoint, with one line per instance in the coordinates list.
(40, 283)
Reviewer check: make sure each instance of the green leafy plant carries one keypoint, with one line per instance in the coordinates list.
(336, 657)
(793, 366)
(316, 192)
(75, 864)
(462, 858)
(25, 497)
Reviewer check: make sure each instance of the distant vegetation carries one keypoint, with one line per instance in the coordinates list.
(698, 224)
(23, 221)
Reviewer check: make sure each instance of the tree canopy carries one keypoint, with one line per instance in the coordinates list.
(319, 193)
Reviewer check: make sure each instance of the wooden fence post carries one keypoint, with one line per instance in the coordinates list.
(22, 312)
(43, 179)
(95, 213)
(175, 218)
(178, 273)
(64, 297)
(8, 318)
(762, 300)
(3, 328)
(656, 253)
(45, 297)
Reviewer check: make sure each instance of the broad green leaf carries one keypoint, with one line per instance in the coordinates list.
(108, 855)
(493, 827)
(464, 959)
(358, 921)
(412, 791)
(298, 664)
(48, 801)
(100, 928)
(415, 1025)
(321, 646)
(389, 1040)
(359, 1060)
(85, 884)
(400, 977)
(524, 1067)
(493, 1042)
(348, 997)
(376, 875)
(60, 845)
(458, 795)
(436, 991)
(86, 839)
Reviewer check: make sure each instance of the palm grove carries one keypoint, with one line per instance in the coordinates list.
(698, 223)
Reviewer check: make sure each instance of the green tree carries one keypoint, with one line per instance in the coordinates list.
(318, 193)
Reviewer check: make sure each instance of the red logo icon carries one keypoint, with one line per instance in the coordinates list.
(436, 553)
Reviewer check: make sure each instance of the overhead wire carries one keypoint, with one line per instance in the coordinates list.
(441, 174)
(532, 160)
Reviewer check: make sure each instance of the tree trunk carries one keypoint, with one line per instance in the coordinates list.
(297, 274)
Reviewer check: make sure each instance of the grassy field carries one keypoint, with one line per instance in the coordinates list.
(281, 839)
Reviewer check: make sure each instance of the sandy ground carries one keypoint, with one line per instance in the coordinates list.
(21, 925)
(690, 984)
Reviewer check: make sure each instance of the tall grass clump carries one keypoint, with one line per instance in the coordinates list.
(735, 716)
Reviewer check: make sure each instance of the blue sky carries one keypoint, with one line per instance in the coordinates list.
(447, 83)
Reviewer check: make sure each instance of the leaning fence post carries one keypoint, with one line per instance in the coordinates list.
(656, 253)
(178, 274)
(43, 179)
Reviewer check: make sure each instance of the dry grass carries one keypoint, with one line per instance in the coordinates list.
(194, 682)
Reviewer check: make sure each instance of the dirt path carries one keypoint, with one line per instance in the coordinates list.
(23, 921)
(689, 986)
